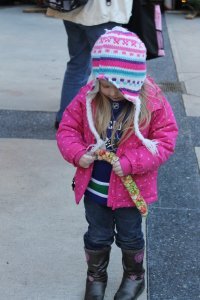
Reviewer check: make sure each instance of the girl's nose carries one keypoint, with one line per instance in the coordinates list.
(113, 93)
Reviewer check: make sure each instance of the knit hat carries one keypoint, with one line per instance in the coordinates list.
(119, 57)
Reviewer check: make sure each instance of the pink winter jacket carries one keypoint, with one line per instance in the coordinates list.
(74, 137)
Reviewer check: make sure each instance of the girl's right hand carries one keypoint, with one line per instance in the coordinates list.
(86, 160)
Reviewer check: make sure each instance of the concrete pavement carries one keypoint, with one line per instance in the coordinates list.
(41, 227)
(185, 42)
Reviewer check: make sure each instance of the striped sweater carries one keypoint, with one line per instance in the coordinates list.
(97, 189)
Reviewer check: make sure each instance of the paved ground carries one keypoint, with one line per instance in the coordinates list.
(41, 227)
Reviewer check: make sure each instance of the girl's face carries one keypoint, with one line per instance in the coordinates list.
(110, 91)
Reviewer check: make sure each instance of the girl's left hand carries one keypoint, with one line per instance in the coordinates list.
(117, 169)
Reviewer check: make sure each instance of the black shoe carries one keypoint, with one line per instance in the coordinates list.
(56, 125)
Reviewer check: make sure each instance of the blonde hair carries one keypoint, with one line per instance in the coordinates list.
(102, 116)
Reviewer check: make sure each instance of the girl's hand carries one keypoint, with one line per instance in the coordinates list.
(86, 160)
(117, 169)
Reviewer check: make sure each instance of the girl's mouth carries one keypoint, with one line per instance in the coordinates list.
(117, 99)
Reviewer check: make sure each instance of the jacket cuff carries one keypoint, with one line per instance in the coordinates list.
(77, 157)
(125, 165)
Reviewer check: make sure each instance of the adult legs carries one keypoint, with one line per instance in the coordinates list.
(78, 67)
(80, 42)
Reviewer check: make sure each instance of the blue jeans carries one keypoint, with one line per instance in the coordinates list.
(80, 43)
(104, 225)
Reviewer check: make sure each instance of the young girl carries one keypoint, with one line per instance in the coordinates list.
(125, 112)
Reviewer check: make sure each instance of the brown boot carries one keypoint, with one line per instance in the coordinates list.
(132, 284)
(96, 282)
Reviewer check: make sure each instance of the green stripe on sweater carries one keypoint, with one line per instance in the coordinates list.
(99, 188)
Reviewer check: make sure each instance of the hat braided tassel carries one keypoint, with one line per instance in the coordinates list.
(151, 145)
(99, 142)
(127, 181)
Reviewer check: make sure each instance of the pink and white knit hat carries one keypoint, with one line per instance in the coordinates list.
(119, 56)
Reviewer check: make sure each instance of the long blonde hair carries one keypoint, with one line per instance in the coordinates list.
(102, 116)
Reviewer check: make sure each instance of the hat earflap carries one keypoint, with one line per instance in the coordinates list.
(151, 145)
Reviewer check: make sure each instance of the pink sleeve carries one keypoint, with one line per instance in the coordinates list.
(163, 129)
(70, 133)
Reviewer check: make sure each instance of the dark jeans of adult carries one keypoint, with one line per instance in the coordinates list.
(80, 43)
